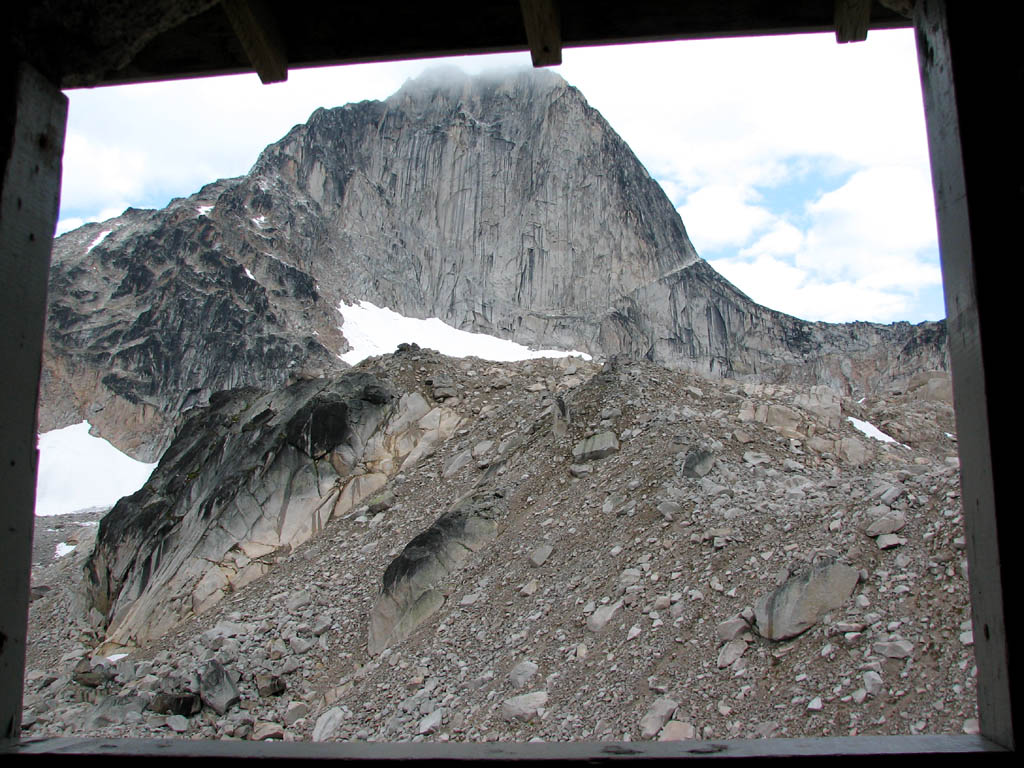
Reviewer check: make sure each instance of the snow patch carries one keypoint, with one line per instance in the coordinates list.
(204, 209)
(99, 239)
(871, 430)
(77, 471)
(249, 274)
(373, 330)
(260, 221)
(64, 549)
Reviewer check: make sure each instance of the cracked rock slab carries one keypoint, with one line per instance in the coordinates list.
(410, 593)
(803, 599)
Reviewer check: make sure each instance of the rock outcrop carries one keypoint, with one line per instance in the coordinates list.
(252, 474)
(244, 482)
(502, 204)
(601, 599)
(412, 585)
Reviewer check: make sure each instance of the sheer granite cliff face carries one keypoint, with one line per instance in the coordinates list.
(501, 204)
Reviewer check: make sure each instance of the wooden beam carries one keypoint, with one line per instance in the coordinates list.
(976, 173)
(31, 144)
(543, 24)
(256, 30)
(852, 19)
(904, 8)
(855, 751)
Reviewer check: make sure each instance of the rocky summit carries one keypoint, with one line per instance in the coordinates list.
(426, 548)
(501, 204)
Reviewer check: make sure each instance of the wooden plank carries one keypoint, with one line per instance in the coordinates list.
(543, 23)
(257, 31)
(35, 114)
(878, 750)
(976, 172)
(348, 33)
(852, 19)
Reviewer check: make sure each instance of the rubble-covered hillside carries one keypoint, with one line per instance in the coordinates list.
(553, 550)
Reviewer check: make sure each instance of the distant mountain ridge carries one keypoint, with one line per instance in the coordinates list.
(501, 203)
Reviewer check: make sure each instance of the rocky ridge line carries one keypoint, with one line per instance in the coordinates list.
(500, 204)
(622, 597)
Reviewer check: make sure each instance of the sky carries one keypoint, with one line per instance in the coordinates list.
(799, 166)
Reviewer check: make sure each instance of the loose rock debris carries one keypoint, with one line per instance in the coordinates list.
(623, 597)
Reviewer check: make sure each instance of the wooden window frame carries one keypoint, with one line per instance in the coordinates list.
(976, 174)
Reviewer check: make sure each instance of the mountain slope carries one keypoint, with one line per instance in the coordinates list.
(598, 581)
(502, 204)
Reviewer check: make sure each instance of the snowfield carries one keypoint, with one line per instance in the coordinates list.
(78, 471)
(869, 429)
(373, 330)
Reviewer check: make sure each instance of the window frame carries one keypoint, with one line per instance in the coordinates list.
(965, 146)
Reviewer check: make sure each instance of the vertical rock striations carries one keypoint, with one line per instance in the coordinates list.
(252, 475)
(502, 203)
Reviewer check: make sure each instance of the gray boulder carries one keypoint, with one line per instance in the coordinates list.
(803, 599)
(698, 462)
(216, 688)
(410, 592)
(595, 447)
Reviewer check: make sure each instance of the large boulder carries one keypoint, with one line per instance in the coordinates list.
(803, 599)
(411, 591)
(595, 447)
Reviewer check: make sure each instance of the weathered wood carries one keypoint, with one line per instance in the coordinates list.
(543, 31)
(852, 17)
(257, 31)
(976, 172)
(878, 750)
(35, 114)
(104, 43)
(904, 8)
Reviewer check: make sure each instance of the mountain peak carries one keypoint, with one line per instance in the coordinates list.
(500, 203)
(451, 83)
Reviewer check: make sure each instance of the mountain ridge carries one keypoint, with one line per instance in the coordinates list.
(502, 204)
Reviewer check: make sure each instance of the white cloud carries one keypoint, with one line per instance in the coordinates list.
(99, 171)
(720, 215)
(68, 224)
(74, 222)
(730, 111)
(770, 280)
(880, 216)
(782, 238)
(863, 251)
(724, 125)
